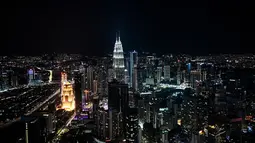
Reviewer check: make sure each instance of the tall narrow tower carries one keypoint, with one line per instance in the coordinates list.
(133, 69)
(118, 61)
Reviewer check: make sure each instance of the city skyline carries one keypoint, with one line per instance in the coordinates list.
(128, 72)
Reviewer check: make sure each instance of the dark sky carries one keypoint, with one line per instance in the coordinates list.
(89, 26)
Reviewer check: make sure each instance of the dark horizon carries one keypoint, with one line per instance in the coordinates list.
(89, 28)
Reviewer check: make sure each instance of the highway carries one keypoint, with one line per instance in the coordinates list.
(31, 110)
(40, 105)
(62, 129)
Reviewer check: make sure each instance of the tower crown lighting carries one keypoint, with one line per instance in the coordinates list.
(118, 60)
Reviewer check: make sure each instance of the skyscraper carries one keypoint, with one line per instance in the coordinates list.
(134, 78)
(118, 61)
(132, 71)
(159, 74)
(179, 73)
(67, 93)
(132, 123)
(90, 77)
(167, 72)
(118, 103)
(78, 92)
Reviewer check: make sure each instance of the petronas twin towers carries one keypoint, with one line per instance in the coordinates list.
(118, 60)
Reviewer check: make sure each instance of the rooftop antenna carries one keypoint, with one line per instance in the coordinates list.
(119, 35)
(116, 36)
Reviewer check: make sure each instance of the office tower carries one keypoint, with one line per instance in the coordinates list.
(116, 127)
(102, 82)
(159, 74)
(90, 77)
(167, 72)
(84, 79)
(140, 131)
(118, 61)
(126, 79)
(78, 92)
(102, 126)
(134, 78)
(133, 63)
(110, 75)
(94, 86)
(179, 74)
(118, 101)
(132, 123)
(195, 77)
(148, 113)
(204, 74)
(141, 112)
(131, 99)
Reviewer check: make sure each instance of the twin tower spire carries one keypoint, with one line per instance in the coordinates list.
(118, 36)
(118, 59)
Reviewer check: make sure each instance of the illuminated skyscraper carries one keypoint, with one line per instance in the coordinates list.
(118, 61)
(67, 93)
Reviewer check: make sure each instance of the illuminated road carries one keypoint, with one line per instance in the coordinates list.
(62, 129)
(45, 101)
(10, 89)
(34, 109)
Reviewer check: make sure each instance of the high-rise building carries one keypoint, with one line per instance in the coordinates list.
(126, 76)
(141, 112)
(110, 75)
(94, 86)
(78, 92)
(118, 61)
(132, 123)
(195, 76)
(167, 72)
(116, 127)
(118, 102)
(132, 72)
(102, 126)
(90, 77)
(179, 74)
(159, 74)
(67, 93)
(134, 78)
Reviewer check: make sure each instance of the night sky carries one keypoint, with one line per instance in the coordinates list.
(196, 27)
